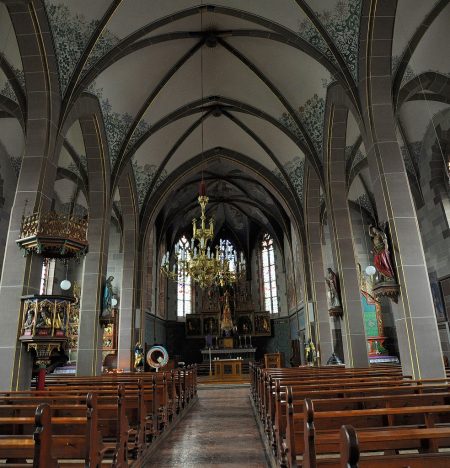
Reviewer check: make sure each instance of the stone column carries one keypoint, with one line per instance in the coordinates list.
(314, 247)
(127, 297)
(89, 358)
(21, 275)
(415, 319)
(353, 332)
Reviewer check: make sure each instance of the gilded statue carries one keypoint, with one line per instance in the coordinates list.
(44, 318)
(311, 354)
(138, 357)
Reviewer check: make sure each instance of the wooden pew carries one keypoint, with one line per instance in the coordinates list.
(75, 435)
(275, 427)
(320, 434)
(105, 414)
(352, 443)
(36, 446)
(130, 411)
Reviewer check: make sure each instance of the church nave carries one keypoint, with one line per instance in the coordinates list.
(219, 431)
(248, 197)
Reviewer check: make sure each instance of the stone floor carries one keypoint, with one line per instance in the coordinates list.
(219, 431)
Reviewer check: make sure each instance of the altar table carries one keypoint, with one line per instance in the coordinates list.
(228, 369)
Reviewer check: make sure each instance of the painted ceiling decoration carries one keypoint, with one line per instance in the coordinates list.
(267, 68)
(88, 35)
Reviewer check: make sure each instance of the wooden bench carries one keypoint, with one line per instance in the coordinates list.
(50, 441)
(353, 443)
(351, 399)
(317, 432)
(100, 431)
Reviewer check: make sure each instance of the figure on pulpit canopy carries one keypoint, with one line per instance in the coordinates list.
(381, 254)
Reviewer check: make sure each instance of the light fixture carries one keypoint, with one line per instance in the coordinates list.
(370, 270)
(199, 261)
(65, 285)
(114, 302)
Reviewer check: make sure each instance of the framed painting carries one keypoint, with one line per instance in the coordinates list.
(211, 325)
(244, 323)
(193, 326)
(262, 324)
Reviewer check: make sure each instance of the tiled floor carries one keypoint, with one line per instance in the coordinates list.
(220, 431)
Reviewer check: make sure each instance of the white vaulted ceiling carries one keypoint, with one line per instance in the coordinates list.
(262, 67)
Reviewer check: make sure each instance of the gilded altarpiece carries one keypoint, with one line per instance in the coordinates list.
(246, 320)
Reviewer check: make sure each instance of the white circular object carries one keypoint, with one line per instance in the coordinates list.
(370, 270)
(157, 357)
(114, 302)
(65, 285)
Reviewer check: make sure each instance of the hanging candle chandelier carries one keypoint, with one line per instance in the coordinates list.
(206, 266)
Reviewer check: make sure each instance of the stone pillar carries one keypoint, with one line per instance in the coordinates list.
(314, 247)
(35, 185)
(415, 320)
(89, 357)
(353, 331)
(127, 294)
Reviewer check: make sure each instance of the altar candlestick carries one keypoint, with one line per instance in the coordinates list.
(210, 365)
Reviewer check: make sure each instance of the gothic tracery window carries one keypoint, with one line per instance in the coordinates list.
(268, 275)
(184, 285)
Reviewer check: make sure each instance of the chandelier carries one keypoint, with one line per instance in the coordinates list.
(206, 266)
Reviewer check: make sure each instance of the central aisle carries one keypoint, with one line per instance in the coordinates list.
(219, 431)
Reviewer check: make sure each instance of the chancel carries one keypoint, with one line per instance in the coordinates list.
(224, 233)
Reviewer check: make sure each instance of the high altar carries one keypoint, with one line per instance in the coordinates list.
(228, 321)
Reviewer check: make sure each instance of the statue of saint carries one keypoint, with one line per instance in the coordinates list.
(60, 320)
(381, 255)
(44, 318)
(334, 293)
(28, 324)
(310, 351)
(107, 296)
(138, 357)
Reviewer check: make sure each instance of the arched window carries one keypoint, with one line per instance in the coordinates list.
(184, 286)
(227, 251)
(268, 275)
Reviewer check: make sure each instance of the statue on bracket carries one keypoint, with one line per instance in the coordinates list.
(107, 298)
(334, 294)
(385, 282)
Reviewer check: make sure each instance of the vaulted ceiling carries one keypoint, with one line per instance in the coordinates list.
(175, 78)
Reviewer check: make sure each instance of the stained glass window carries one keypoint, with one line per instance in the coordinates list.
(184, 286)
(268, 275)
